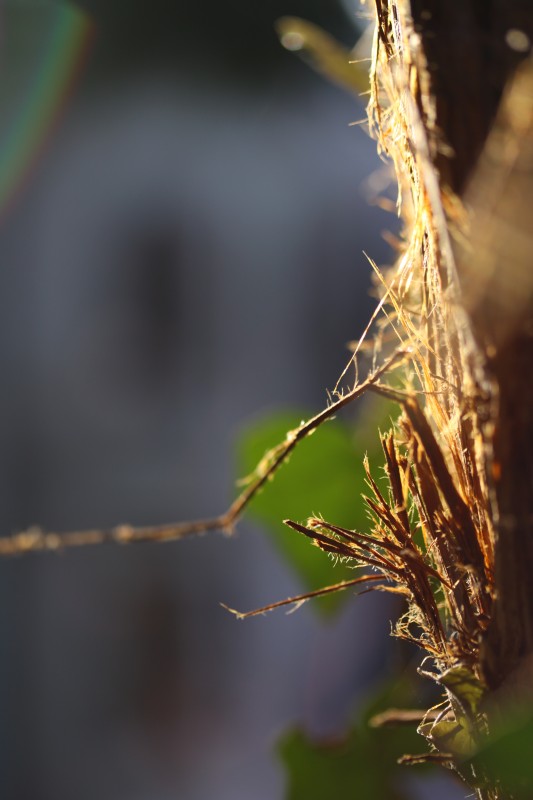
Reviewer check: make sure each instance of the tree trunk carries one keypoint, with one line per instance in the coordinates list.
(470, 51)
(467, 66)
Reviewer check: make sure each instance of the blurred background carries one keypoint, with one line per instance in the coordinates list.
(182, 225)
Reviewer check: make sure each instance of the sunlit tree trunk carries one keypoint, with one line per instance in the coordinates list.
(467, 66)
(472, 50)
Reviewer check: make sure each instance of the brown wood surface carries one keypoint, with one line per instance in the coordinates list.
(469, 62)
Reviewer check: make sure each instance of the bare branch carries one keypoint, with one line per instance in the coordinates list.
(35, 539)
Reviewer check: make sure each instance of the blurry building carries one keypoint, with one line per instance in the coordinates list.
(186, 255)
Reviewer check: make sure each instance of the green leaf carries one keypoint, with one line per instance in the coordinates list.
(352, 768)
(457, 736)
(451, 737)
(465, 687)
(394, 741)
(507, 758)
(323, 476)
(361, 765)
(323, 771)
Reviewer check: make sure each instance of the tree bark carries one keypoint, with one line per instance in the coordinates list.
(472, 49)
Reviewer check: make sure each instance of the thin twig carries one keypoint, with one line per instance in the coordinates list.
(426, 758)
(35, 539)
(402, 716)
(298, 599)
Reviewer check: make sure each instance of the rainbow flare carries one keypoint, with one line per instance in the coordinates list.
(43, 48)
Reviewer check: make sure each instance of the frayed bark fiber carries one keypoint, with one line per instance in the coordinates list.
(452, 105)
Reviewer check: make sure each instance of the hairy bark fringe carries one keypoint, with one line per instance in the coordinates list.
(468, 598)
